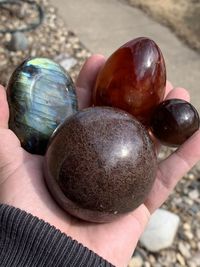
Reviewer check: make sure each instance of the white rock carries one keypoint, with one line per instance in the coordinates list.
(66, 61)
(160, 231)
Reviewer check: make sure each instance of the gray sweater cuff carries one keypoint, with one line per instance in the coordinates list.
(27, 241)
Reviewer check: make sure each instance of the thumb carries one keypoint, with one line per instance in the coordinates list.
(9, 143)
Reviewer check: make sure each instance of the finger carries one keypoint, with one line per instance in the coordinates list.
(87, 78)
(172, 169)
(168, 88)
(178, 92)
(4, 110)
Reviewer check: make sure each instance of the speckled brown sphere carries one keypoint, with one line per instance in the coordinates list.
(100, 164)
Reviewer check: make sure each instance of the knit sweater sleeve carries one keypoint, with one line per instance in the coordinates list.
(27, 241)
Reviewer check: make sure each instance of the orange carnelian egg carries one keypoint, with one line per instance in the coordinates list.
(133, 79)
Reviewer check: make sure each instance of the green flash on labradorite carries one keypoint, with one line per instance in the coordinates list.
(41, 95)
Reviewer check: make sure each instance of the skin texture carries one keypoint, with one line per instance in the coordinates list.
(22, 183)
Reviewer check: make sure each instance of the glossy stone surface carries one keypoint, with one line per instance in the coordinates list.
(100, 164)
(40, 96)
(133, 79)
(174, 121)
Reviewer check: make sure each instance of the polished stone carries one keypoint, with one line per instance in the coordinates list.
(174, 121)
(40, 96)
(133, 79)
(100, 164)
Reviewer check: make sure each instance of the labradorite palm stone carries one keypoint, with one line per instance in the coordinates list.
(41, 95)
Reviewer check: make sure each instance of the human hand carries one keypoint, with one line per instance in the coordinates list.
(22, 184)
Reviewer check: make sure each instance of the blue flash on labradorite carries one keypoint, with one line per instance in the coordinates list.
(41, 95)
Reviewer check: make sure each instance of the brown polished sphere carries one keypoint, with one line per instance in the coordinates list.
(100, 164)
(133, 79)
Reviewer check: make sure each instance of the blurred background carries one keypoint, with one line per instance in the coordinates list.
(69, 31)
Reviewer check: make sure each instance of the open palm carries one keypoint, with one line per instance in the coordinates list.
(22, 184)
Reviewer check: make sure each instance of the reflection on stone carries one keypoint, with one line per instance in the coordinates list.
(40, 96)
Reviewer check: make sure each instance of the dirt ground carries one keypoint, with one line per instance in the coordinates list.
(182, 16)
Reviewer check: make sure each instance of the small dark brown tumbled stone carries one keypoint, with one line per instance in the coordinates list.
(100, 163)
(174, 121)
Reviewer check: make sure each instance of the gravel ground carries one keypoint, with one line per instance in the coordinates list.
(185, 202)
(52, 39)
(62, 43)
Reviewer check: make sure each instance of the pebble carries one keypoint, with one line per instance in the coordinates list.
(192, 264)
(18, 42)
(194, 194)
(170, 256)
(193, 245)
(8, 37)
(186, 226)
(136, 261)
(33, 53)
(184, 250)
(22, 12)
(3, 60)
(147, 264)
(188, 201)
(189, 235)
(160, 231)
(196, 259)
(180, 259)
(66, 61)
(191, 176)
(152, 259)
(142, 252)
(81, 54)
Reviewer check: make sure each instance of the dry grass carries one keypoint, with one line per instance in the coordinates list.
(182, 16)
